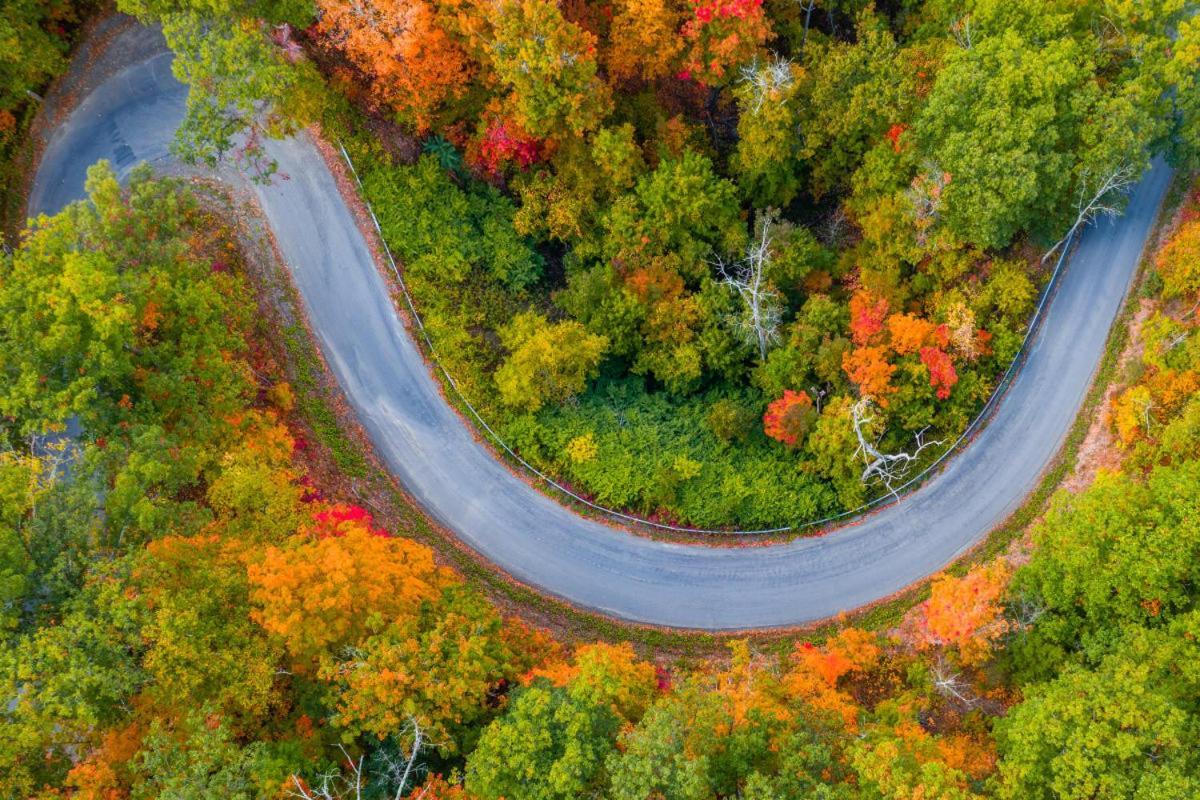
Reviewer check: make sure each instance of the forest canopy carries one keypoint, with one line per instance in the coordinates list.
(671, 248)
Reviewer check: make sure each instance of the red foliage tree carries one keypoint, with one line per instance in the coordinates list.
(502, 145)
(789, 418)
(867, 314)
(722, 35)
(941, 370)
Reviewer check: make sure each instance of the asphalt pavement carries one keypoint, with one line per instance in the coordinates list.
(132, 117)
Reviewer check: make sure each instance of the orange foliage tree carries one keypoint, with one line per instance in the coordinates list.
(1179, 261)
(965, 613)
(320, 594)
(816, 670)
(869, 369)
(867, 314)
(414, 65)
(439, 666)
(942, 376)
(645, 39)
(909, 333)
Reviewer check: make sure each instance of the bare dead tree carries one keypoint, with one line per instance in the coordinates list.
(950, 684)
(960, 29)
(1023, 613)
(332, 785)
(773, 77)
(348, 784)
(926, 193)
(833, 227)
(807, 7)
(763, 313)
(1097, 199)
(886, 468)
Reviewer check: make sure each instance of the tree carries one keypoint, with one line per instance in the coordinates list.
(68, 680)
(413, 64)
(197, 755)
(815, 672)
(833, 446)
(850, 96)
(1002, 121)
(606, 674)
(1099, 196)
(150, 361)
(682, 208)
(868, 312)
(31, 54)
(550, 66)
(86, 335)
(318, 595)
(942, 375)
(869, 369)
(644, 40)
(886, 468)
(548, 362)
(1178, 262)
(242, 87)
(766, 159)
(1124, 729)
(1121, 552)
(966, 613)
(550, 745)
(434, 669)
(790, 418)
(721, 36)
(202, 647)
(759, 322)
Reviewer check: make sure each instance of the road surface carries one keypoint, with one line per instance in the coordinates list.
(132, 117)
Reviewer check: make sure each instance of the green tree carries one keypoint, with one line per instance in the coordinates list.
(147, 358)
(850, 96)
(766, 160)
(682, 208)
(85, 334)
(196, 756)
(548, 362)
(29, 53)
(550, 745)
(550, 66)
(1002, 122)
(1126, 729)
(1123, 552)
(69, 680)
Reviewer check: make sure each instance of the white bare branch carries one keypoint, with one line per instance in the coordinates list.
(348, 784)
(960, 29)
(771, 79)
(1100, 198)
(763, 313)
(886, 468)
(950, 684)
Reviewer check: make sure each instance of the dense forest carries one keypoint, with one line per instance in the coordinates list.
(686, 256)
(682, 254)
(186, 614)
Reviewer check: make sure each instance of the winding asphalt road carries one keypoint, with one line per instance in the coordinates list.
(133, 116)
